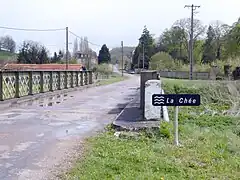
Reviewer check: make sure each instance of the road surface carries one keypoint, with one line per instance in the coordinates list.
(37, 139)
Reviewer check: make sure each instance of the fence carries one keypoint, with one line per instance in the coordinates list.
(185, 75)
(15, 84)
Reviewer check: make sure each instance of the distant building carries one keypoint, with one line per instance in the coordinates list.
(83, 58)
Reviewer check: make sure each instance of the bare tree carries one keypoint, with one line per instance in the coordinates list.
(220, 31)
(8, 43)
(86, 45)
(81, 46)
(75, 47)
(198, 30)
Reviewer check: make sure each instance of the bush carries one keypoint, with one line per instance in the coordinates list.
(163, 61)
(104, 69)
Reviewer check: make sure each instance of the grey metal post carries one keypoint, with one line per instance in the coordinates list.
(175, 125)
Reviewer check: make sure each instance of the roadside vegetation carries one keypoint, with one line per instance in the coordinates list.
(105, 75)
(209, 137)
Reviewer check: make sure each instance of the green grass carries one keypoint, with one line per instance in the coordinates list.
(6, 55)
(112, 79)
(210, 139)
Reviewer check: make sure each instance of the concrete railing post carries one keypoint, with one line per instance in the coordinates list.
(145, 76)
(1, 86)
(90, 77)
(30, 83)
(59, 80)
(42, 81)
(51, 81)
(77, 79)
(81, 78)
(17, 85)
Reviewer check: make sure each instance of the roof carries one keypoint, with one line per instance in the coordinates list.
(76, 67)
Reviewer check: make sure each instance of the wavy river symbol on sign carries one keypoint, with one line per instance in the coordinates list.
(158, 100)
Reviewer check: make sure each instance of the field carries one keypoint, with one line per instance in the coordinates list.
(209, 138)
(7, 56)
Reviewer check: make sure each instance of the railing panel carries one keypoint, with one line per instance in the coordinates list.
(36, 82)
(9, 83)
(46, 81)
(69, 75)
(55, 81)
(84, 78)
(74, 79)
(62, 80)
(79, 78)
(23, 84)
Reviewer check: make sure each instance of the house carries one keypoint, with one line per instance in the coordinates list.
(84, 59)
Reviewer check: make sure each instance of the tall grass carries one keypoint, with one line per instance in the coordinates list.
(163, 61)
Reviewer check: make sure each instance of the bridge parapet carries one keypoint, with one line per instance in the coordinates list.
(15, 84)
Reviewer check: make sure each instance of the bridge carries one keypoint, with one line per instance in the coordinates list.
(46, 115)
(36, 137)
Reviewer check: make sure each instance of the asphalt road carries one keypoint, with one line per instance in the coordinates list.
(36, 139)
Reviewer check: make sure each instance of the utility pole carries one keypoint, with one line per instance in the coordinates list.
(122, 57)
(193, 8)
(66, 48)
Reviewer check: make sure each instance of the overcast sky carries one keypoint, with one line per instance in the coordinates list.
(104, 21)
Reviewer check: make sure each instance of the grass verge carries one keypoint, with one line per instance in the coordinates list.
(112, 79)
(209, 134)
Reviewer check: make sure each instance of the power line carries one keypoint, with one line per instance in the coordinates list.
(84, 39)
(23, 29)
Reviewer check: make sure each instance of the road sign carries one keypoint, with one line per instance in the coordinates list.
(176, 100)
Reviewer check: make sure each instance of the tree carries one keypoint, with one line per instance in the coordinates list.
(8, 43)
(172, 41)
(233, 42)
(104, 55)
(84, 46)
(32, 53)
(209, 48)
(146, 40)
(185, 25)
(75, 47)
(55, 58)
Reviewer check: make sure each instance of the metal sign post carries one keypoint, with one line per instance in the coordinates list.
(175, 126)
(176, 100)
